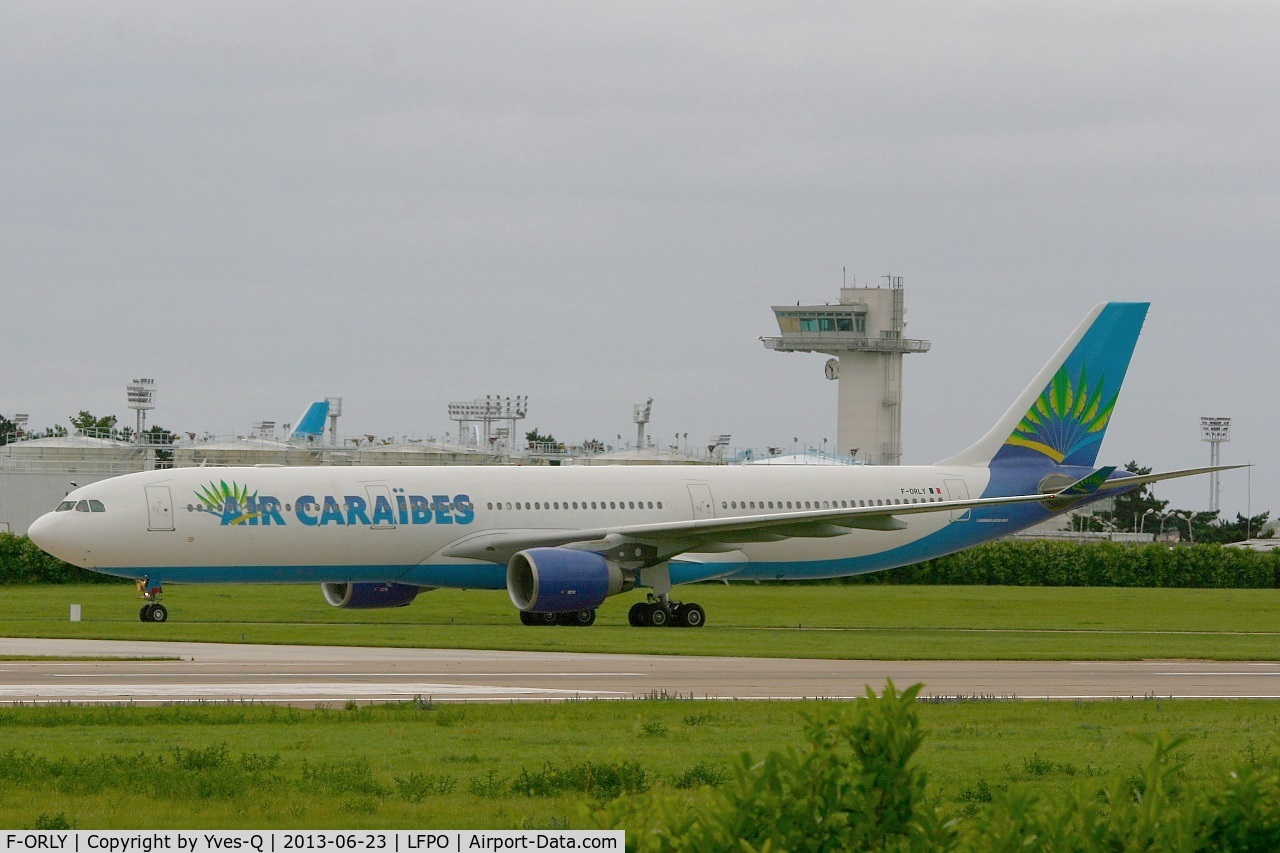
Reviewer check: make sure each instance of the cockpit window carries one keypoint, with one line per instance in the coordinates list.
(82, 506)
(96, 506)
(65, 505)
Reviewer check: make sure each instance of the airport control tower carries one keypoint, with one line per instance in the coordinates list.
(863, 334)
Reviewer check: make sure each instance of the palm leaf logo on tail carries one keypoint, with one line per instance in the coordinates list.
(1068, 415)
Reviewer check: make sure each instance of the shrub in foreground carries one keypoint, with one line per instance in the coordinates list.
(854, 787)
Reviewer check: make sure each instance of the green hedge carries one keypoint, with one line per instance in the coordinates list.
(22, 562)
(1013, 563)
(1007, 563)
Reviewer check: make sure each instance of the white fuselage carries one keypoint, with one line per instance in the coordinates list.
(274, 524)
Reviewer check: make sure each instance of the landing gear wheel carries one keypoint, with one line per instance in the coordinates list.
(527, 618)
(692, 616)
(638, 615)
(658, 616)
(582, 618)
(153, 613)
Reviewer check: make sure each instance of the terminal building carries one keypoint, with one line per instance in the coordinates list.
(37, 473)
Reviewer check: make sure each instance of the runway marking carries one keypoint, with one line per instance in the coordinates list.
(305, 693)
(585, 672)
(302, 690)
(1197, 674)
(959, 630)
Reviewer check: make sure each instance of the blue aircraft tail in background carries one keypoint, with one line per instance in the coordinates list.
(311, 425)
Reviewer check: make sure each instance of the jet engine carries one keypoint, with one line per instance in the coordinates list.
(559, 580)
(370, 596)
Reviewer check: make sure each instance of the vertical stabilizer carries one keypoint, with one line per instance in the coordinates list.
(311, 424)
(1063, 414)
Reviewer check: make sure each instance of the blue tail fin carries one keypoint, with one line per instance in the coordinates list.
(1063, 414)
(311, 424)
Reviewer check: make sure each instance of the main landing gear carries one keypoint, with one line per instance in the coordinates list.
(153, 610)
(580, 618)
(661, 611)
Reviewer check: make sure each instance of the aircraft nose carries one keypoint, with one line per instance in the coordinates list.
(42, 532)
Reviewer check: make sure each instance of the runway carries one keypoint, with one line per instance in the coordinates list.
(160, 672)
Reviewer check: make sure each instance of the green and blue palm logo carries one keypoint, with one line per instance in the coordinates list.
(231, 501)
(1070, 414)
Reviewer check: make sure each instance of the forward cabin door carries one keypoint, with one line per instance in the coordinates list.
(159, 508)
(380, 498)
(703, 504)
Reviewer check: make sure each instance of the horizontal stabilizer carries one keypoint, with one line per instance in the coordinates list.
(1086, 486)
(1128, 482)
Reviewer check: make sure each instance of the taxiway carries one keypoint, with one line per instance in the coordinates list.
(102, 671)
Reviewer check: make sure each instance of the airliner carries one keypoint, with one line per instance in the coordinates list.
(561, 540)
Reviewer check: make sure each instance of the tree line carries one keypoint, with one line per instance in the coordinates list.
(87, 423)
(1139, 511)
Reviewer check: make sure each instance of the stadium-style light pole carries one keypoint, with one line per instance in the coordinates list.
(1143, 524)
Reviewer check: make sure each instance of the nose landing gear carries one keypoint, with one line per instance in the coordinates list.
(150, 591)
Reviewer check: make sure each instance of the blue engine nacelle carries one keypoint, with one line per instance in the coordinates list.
(370, 596)
(558, 580)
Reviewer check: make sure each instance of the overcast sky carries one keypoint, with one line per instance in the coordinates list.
(263, 204)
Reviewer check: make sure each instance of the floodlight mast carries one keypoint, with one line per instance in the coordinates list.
(1215, 431)
(486, 412)
(142, 397)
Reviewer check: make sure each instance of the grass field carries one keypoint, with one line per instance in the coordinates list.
(536, 766)
(824, 621)
(540, 765)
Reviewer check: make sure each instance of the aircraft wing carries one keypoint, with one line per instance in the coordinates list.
(663, 540)
(652, 543)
